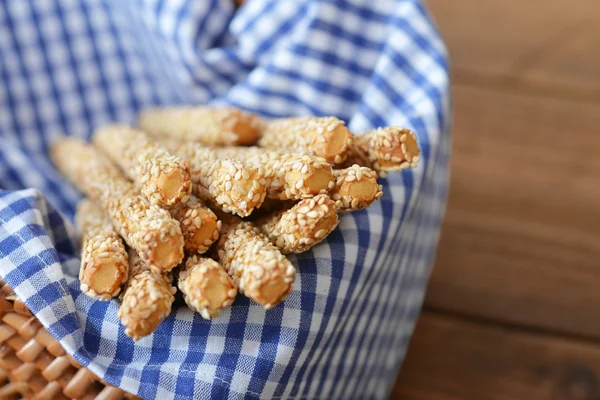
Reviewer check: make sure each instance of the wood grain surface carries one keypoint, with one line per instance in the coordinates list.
(457, 359)
(521, 241)
(511, 309)
(551, 44)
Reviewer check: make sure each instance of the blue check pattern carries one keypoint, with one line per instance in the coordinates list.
(68, 66)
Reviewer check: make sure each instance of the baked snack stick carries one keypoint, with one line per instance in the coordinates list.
(235, 187)
(256, 266)
(147, 228)
(146, 300)
(199, 225)
(214, 126)
(206, 287)
(355, 188)
(299, 228)
(325, 137)
(162, 177)
(386, 150)
(290, 176)
(104, 262)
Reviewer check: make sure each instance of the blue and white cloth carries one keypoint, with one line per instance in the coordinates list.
(68, 66)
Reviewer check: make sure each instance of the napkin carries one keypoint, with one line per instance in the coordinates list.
(69, 66)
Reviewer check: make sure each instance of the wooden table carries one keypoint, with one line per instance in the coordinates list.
(513, 306)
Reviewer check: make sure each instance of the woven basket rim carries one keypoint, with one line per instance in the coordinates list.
(33, 364)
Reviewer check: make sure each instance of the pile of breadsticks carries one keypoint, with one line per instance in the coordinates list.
(175, 203)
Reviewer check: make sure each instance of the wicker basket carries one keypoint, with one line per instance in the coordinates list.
(33, 365)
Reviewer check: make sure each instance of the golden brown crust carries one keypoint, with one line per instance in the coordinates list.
(104, 262)
(213, 126)
(256, 266)
(355, 188)
(147, 228)
(289, 176)
(236, 187)
(386, 150)
(206, 287)
(147, 299)
(199, 224)
(162, 177)
(299, 228)
(325, 137)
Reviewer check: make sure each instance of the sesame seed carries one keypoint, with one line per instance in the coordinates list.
(240, 189)
(290, 270)
(403, 147)
(312, 214)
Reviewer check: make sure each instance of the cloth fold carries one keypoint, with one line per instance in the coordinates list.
(68, 66)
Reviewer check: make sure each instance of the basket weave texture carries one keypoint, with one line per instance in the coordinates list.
(33, 365)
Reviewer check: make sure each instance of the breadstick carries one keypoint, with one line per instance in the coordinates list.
(147, 299)
(104, 262)
(208, 125)
(147, 228)
(386, 150)
(256, 266)
(237, 188)
(290, 176)
(325, 137)
(301, 227)
(162, 177)
(206, 287)
(199, 224)
(355, 188)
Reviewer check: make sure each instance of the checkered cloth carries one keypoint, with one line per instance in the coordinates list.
(68, 66)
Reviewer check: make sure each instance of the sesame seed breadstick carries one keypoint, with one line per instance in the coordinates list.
(212, 126)
(147, 228)
(206, 287)
(290, 176)
(386, 150)
(256, 266)
(162, 177)
(104, 263)
(147, 298)
(199, 225)
(237, 188)
(301, 227)
(325, 137)
(355, 188)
